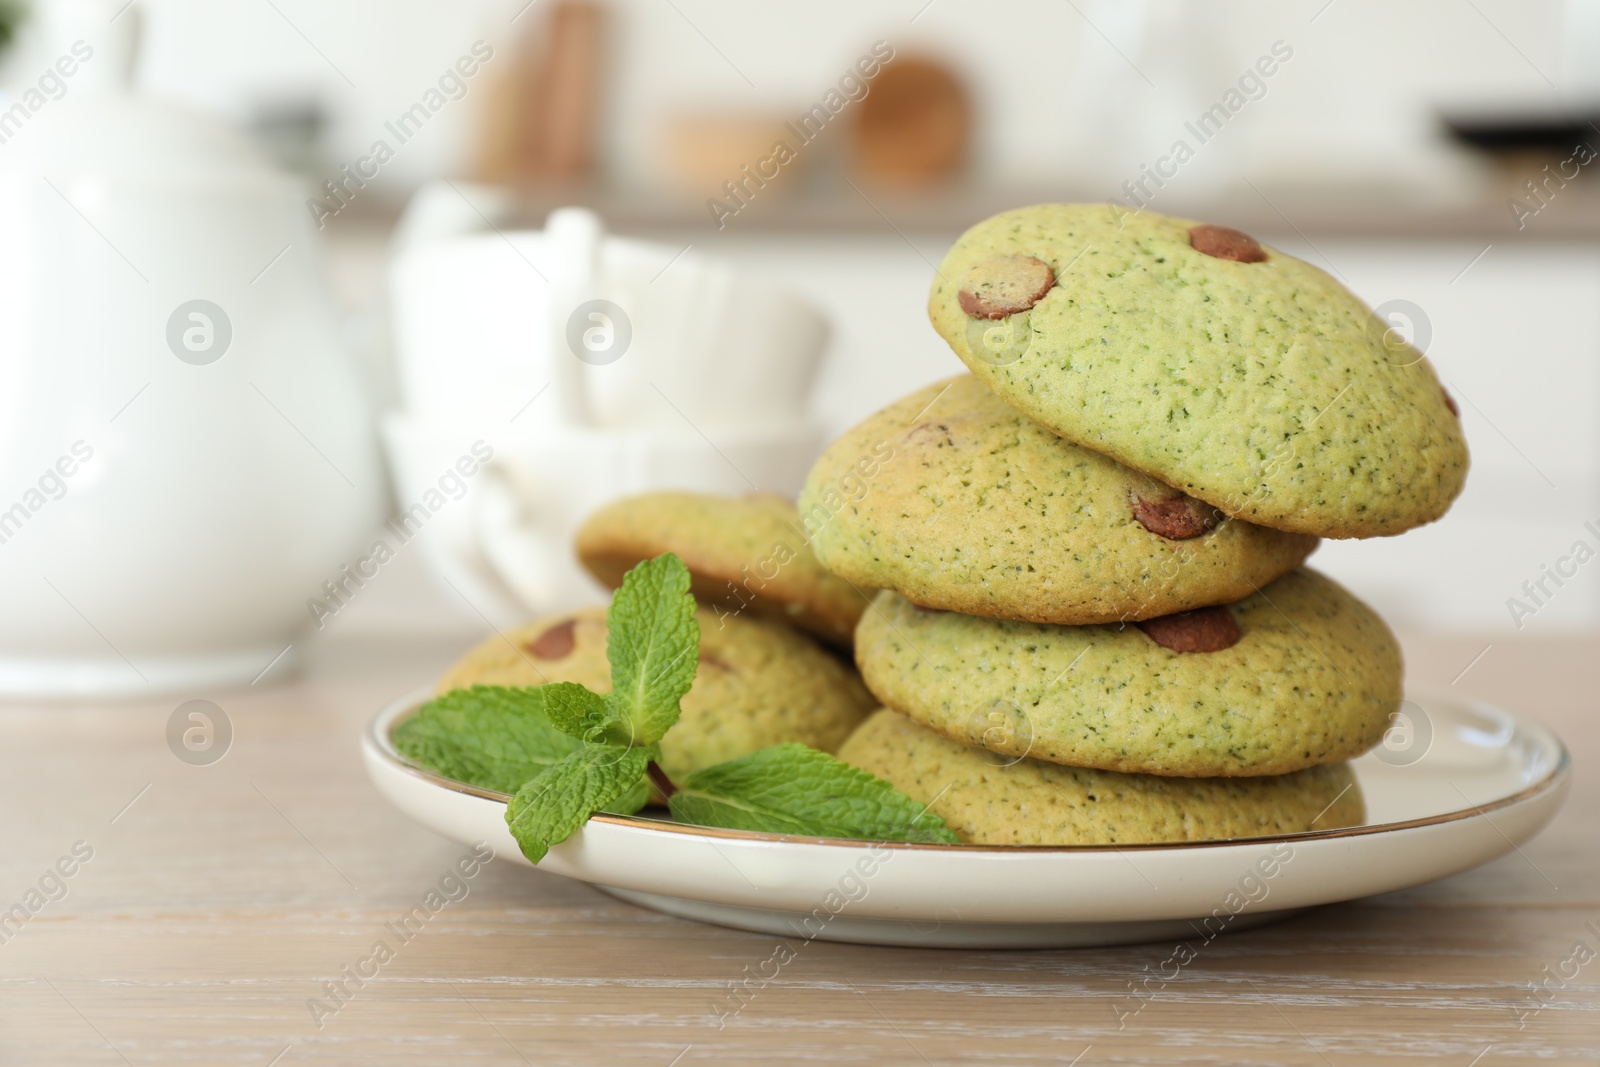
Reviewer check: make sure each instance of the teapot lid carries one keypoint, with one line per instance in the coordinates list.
(81, 117)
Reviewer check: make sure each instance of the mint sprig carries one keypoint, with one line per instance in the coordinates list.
(652, 643)
(567, 752)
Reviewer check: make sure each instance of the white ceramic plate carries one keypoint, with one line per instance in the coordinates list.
(1483, 783)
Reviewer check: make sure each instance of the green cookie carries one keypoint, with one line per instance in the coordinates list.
(983, 511)
(1243, 376)
(997, 800)
(759, 683)
(1298, 674)
(743, 553)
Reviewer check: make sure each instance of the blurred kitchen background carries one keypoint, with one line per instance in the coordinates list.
(1391, 144)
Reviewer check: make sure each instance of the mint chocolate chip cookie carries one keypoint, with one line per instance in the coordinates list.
(1301, 673)
(743, 553)
(990, 800)
(1242, 376)
(983, 511)
(758, 684)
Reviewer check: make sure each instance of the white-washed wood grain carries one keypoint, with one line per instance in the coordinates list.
(208, 918)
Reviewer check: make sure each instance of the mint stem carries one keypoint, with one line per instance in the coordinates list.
(659, 779)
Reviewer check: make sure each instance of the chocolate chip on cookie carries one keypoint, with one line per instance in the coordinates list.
(1220, 242)
(1004, 285)
(937, 431)
(556, 642)
(1203, 630)
(1177, 518)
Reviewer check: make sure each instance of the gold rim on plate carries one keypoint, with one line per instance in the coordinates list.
(380, 733)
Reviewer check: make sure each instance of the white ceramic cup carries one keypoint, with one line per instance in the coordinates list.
(483, 321)
(505, 547)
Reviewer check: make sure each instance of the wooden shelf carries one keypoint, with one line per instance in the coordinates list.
(842, 206)
(1572, 213)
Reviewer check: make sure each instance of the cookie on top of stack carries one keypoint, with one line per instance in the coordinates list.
(1094, 626)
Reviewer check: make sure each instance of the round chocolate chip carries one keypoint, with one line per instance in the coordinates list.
(1177, 518)
(1004, 286)
(936, 431)
(556, 642)
(1202, 630)
(1220, 242)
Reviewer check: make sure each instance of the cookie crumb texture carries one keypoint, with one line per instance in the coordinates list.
(993, 800)
(1263, 388)
(1314, 678)
(758, 684)
(983, 511)
(744, 554)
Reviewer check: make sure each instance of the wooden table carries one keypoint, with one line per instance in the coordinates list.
(219, 899)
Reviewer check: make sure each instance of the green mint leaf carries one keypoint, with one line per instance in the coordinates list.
(493, 737)
(792, 789)
(653, 641)
(551, 807)
(579, 713)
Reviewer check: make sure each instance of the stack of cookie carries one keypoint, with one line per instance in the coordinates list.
(1094, 626)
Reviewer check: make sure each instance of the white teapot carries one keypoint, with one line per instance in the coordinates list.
(186, 453)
